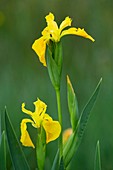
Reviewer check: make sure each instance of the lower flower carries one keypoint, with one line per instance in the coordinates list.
(39, 118)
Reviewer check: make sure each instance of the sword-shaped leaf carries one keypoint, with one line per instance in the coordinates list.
(17, 156)
(75, 139)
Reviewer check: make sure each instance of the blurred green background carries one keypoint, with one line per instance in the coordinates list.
(23, 78)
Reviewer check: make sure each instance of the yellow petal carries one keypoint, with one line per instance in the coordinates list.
(47, 117)
(78, 32)
(52, 129)
(40, 107)
(52, 28)
(25, 110)
(51, 23)
(46, 34)
(49, 17)
(25, 138)
(65, 23)
(39, 46)
(38, 115)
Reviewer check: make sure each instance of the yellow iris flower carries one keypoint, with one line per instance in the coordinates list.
(39, 118)
(54, 33)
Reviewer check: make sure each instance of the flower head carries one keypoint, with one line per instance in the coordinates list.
(54, 33)
(39, 118)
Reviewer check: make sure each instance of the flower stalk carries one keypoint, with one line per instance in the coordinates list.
(41, 148)
(60, 121)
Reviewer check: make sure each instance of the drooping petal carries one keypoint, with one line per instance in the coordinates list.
(78, 32)
(25, 110)
(39, 46)
(65, 23)
(52, 129)
(25, 138)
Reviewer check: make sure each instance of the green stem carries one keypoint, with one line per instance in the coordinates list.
(60, 121)
(40, 148)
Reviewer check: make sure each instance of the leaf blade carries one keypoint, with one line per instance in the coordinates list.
(17, 156)
(75, 140)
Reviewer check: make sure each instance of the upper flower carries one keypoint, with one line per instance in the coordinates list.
(39, 118)
(54, 33)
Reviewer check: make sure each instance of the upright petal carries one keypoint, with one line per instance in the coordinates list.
(39, 46)
(38, 115)
(65, 23)
(40, 107)
(52, 28)
(52, 129)
(78, 32)
(50, 21)
(25, 138)
(49, 17)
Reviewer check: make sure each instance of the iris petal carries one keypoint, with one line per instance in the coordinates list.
(52, 129)
(49, 17)
(39, 46)
(78, 32)
(25, 138)
(65, 23)
(40, 106)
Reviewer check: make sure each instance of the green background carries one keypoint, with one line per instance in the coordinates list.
(23, 78)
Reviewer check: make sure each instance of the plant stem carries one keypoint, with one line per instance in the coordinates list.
(60, 121)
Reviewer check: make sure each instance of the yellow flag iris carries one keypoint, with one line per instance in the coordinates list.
(54, 33)
(39, 118)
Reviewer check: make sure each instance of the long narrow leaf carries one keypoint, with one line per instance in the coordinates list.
(56, 161)
(17, 156)
(56, 165)
(97, 161)
(3, 152)
(75, 140)
(86, 112)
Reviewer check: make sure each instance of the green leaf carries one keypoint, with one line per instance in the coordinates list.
(72, 104)
(97, 161)
(3, 152)
(56, 165)
(56, 161)
(17, 156)
(53, 71)
(75, 139)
